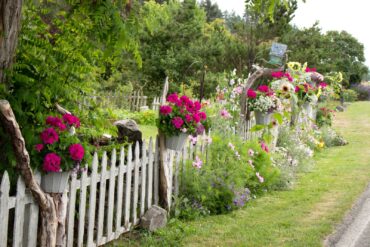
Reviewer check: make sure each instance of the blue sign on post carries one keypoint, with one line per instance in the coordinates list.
(277, 53)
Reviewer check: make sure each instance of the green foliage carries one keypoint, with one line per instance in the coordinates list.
(331, 137)
(324, 117)
(350, 95)
(226, 181)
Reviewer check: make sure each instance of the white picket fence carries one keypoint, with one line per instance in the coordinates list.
(103, 203)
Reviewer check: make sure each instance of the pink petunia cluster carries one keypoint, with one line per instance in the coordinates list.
(55, 122)
(71, 120)
(281, 74)
(323, 85)
(197, 163)
(264, 147)
(177, 122)
(225, 114)
(165, 110)
(310, 70)
(76, 151)
(182, 113)
(251, 94)
(49, 136)
(51, 163)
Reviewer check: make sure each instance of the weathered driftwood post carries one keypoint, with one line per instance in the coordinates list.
(164, 167)
(52, 206)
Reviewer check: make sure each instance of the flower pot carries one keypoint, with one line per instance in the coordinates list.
(176, 142)
(55, 182)
(307, 107)
(262, 118)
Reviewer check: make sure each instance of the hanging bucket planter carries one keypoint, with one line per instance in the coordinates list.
(55, 182)
(307, 107)
(262, 118)
(176, 143)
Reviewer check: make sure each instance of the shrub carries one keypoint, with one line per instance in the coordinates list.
(324, 117)
(233, 173)
(332, 138)
(363, 91)
(350, 95)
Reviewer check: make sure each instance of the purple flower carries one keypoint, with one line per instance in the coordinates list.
(197, 163)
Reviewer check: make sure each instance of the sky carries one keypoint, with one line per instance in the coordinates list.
(348, 15)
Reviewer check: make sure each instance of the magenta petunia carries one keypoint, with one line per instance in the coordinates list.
(177, 122)
(39, 147)
(165, 110)
(76, 151)
(202, 115)
(71, 120)
(51, 163)
(263, 89)
(173, 98)
(297, 89)
(323, 85)
(197, 105)
(277, 74)
(251, 94)
(188, 118)
(310, 69)
(49, 136)
(264, 147)
(55, 122)
(196, 118)
(185, 99)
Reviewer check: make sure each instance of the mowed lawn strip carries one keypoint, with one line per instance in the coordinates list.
(303, 216)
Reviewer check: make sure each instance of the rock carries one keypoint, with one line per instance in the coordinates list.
(340, 108)
(128, 131)
(154, 218)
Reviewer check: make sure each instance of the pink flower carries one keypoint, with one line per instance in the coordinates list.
(185, 99)
(277, 74)
(188, 118)
(290, 78)
(251, 94)
(177, 122)
(225, 114)
(71, 120)
(231, 146)
(55, 122)
(250, 162)
(297, 89)
(197, 105)
(190, 106)
(165, 110)
(51, 163)
(39, 147)
(323, 85)
(263, 88)
(310, 69)
(202, 115)
(264, 147)
(196, 118)
(238, 90)
(173, 98)
(193, 139)
(197, 163)
(251, 152)
(49, 136)
(260, 178)
(184, 130)
(208, 139)
(200, 128)
(76, 151)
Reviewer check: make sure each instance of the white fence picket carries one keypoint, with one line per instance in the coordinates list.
(112, 184)
(92, 201)
(143, 180)
(82, 208)
(71, 210)
(136, 183)
(31, 239)
(128, 188)
(19, 213)
(4, 210)
(156, 172)
(119, 203)
(150, 174)
(99, 238)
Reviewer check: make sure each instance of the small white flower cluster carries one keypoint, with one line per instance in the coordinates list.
(263, 104)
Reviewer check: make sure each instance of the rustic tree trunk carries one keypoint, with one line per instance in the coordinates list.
(49, 209)
(10, 20)
(163, 175)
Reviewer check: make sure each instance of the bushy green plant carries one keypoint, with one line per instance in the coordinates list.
(350, 95)
(331, 138)
(324, 117)
(232, 173)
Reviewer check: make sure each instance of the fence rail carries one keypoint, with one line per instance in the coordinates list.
(104, 202)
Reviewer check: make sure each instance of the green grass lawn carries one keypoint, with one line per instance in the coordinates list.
(303, 216)
(148, 131)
